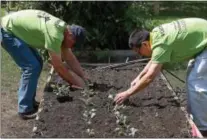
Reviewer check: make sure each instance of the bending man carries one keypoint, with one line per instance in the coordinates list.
(179, 40)
(25, 31)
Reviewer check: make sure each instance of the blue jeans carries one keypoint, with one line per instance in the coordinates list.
(197, 90)
(30, 63)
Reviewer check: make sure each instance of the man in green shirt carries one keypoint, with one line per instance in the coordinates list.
(25, 31)
(179, 40)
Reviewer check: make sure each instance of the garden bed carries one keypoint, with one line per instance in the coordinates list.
(91, 112)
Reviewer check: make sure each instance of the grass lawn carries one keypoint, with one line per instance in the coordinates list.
(10, 73)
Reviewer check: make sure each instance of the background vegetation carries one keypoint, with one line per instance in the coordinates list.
(109, 24)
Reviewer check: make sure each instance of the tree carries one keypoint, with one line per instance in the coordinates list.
(108, 24)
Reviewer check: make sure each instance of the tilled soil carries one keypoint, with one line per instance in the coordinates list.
(152, 112)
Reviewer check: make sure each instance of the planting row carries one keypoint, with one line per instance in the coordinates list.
(91, 112)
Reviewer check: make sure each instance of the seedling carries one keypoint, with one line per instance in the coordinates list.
(119, 107)
(89, 122)
(91, 93)
(88, 93)
(87, 101)
(90, 113)
(90, 132)
(34, 129)
(111, 96)
(132, 131)
(121, 119)
(117, 129)
(121, 133)
(61, 90)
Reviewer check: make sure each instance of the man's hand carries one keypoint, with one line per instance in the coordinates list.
(121, 97)
(140, 84)
(66, 74)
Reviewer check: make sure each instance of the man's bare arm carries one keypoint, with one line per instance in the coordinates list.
(142, 73)
(72, 61)
(65, 73)
(144, 70)
(146, 79)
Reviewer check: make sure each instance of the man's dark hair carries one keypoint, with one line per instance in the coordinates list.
(137, 37)
(79, 33)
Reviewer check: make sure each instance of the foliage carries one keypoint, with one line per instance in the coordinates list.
(108, 24)
(184, 9)
(138, 14)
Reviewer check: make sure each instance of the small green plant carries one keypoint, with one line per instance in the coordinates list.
(89, 112)
(90, 132)
(133, 131)
(61, 90)
(123, 126)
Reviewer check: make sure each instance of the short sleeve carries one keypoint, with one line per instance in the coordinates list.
(53, 44)
(54, 35)
(161, 52)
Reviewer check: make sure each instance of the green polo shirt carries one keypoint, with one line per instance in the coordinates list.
(179, 40)
(37, 28)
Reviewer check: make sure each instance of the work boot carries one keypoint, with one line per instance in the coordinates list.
(28, 115)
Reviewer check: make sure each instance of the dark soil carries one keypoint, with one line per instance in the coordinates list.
(153, 112)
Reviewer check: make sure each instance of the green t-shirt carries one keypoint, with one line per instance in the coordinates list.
(37, 28)
(179, 40)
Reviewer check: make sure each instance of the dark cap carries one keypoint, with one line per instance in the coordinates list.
(137, 37)
(79, 33)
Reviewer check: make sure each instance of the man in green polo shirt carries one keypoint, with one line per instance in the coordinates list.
(25, 31)
(179, 40)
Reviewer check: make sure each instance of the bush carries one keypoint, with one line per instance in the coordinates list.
(108, 24)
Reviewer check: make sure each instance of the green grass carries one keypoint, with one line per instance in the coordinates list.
(2, 12)
(10, 74)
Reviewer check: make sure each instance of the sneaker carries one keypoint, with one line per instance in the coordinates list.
(28, 115)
